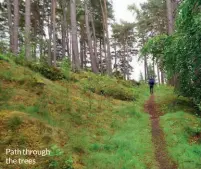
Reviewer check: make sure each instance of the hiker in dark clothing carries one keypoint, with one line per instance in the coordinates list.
(151, 85)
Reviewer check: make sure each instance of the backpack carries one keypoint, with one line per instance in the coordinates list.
(151, 82)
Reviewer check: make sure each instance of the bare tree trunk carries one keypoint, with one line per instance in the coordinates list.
(81, 53)
(75, 53)
(64, 29)
(109, 64)
(115, 50)
(50, 42)
(124, 62)
(162, 77)
(92, 56)
(67, 41)
(101, 60)
(158, 73)
(154, 68)
(85, 55)
(104, 39)
(41, 34)
(145, 68)
(10, 24)
(170, 17)
(54, 30)
(27, 30)
(95, 40)
(15, 28)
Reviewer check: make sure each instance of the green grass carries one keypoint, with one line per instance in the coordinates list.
(130, 145)
(95, 129)
(181, 126)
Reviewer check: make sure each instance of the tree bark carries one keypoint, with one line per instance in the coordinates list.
(170, 17)
(92, 56)
(145, 68)
(109, 64)
(15, 28)
(158, 73)
(115, 50)
(64, 29)
(54, 30)
(81, 54)
(95, 40)
(10, 25)
(75, 53)
(27, 30)
(50, 42)
(101, 60)
(104, 38)
(162, 77)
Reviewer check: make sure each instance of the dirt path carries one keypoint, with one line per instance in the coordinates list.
(158, 139)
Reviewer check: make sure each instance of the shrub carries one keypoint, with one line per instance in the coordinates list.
(14, 122)
(49, 72)
(4, 58)
(107, 86)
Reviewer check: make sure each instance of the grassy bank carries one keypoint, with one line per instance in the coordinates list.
(87, 120)
(130, 145)
(182, 127)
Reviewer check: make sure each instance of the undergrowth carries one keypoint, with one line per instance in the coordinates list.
(182, 128)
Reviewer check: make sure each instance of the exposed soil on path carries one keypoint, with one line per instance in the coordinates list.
(158, 139)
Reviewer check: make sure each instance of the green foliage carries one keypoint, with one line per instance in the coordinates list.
(180, 52)
(180, 129)
(4, 58)
(107, 86)
(5, 95)
(66, 68)
(14, 122)
(58, 160)
(49, 72)
(3, 47)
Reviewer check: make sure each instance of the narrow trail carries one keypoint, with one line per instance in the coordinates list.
(161, 155)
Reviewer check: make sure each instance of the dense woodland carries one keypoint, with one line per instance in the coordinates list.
(66, 83)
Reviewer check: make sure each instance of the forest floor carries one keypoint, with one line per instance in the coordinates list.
(95, 131)
(161, 155)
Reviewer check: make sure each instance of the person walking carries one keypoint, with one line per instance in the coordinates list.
(151, 85)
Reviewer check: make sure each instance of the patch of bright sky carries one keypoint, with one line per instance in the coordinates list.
(121, 12)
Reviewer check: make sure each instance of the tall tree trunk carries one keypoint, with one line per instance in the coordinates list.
(95, 40)
(162, 77)
(10, 25)
(145, 68)
(109, 64)
(104, 38)
(158, 73)
(41, 33)
(75, 53)
(67, 41)
(64, 28)
(92, 56)
(115, 52)
(15, 28)
(153, 68)
(50, 42)
(54, 31)
(124, 62)
(170, 17)
(101, 60)
(81, 54)
(85, 55)
(171, 12)
(63, 32)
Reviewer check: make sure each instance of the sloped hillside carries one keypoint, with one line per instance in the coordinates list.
(71, 117)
